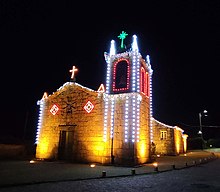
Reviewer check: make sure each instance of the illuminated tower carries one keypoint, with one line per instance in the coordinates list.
(128, 112)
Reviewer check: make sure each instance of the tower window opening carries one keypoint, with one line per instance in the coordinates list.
(121, 76)
(147, 87)
(144, 81)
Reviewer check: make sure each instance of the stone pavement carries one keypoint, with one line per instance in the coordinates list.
(15, 173)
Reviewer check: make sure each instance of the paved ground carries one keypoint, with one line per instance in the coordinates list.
(201, 178)
(20, 173)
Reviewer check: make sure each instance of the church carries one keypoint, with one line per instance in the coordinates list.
(113, 125)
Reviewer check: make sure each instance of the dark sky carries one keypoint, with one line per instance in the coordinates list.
(42, 40)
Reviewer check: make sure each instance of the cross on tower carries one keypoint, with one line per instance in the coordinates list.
(73, 70)
(122, 36)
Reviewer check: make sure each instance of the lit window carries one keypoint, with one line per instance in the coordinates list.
(163, 135)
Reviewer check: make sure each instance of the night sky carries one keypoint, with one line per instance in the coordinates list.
(42, 40)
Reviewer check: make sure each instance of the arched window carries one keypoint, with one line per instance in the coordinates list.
(121, 75)
(144, 82)
(147, 92)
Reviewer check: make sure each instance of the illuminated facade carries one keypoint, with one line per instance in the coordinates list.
(113, 125)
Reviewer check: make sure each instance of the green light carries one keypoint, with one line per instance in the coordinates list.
(122, 36)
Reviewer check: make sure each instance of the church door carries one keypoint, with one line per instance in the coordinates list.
(65, 150)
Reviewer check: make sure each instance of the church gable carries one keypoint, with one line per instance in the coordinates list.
(70, 100)
(74, 110)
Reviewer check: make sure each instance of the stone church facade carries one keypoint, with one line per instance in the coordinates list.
(113, 125)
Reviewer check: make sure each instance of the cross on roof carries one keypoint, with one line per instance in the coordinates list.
(73, 70)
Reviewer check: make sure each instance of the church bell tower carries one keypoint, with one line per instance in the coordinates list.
(128, 111)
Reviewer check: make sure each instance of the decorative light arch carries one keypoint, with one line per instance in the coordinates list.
(147, 84)
(116, 75)
(144, 82)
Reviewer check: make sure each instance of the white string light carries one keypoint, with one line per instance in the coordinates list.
(40, 119)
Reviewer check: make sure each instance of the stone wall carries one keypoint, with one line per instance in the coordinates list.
(143, 147)
(130, 153)
(13, 151)
(173, 144)
(85, 130)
